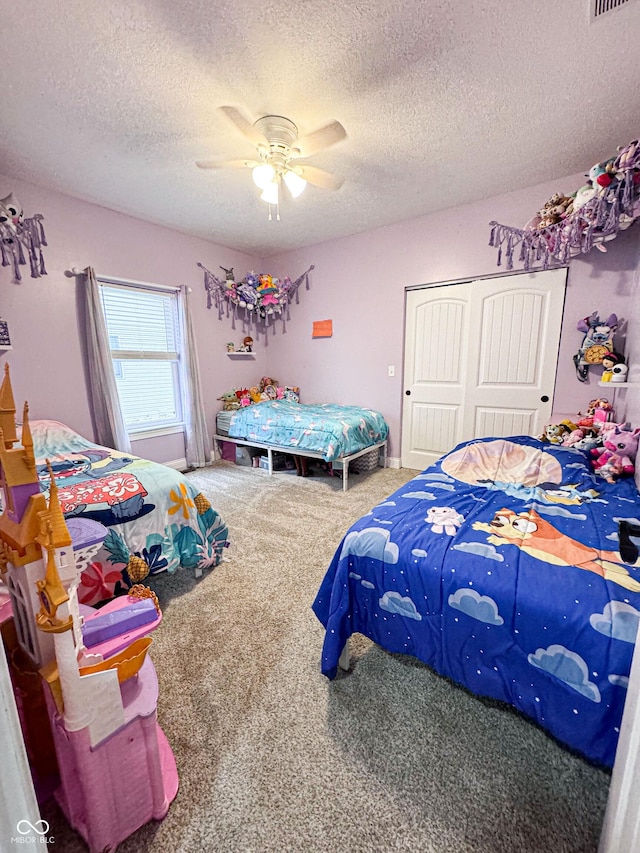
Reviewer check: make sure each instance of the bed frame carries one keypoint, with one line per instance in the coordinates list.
(313, 454)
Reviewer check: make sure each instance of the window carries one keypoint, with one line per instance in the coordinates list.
(144, 337)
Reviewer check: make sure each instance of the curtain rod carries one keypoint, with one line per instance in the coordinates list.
(112, 279)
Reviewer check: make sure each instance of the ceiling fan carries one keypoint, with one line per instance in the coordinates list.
(279, 153)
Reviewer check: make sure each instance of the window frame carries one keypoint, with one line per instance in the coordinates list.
(151, 429)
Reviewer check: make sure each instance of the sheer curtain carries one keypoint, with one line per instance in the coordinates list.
(103, 393)
(197, 437)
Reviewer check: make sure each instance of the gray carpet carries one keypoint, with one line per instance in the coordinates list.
(273, 757)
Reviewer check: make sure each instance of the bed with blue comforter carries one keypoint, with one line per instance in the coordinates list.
(152, 512)
(326, 429)
(500, 566)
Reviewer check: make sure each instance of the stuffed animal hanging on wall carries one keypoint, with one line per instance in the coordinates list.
(596, 344)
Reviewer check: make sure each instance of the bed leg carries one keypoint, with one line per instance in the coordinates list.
(345, 475)
(270, 456)
(343, 660)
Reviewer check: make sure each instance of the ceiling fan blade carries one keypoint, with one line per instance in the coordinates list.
(242, 124)
(318, 177)
(322, 138)
(227, 164)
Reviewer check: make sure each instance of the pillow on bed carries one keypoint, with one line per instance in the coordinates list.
(517, 459)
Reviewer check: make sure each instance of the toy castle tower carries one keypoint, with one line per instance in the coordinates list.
(22, 561)
(92, 702)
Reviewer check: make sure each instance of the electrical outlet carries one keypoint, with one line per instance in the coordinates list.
(392, 370)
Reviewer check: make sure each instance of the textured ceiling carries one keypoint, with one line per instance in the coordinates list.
(443, 103)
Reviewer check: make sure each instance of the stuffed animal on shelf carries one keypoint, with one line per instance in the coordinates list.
(247, 344)
(616, 458)
(619, 373)
(609, 361)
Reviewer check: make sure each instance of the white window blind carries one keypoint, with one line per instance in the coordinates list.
(143, 330)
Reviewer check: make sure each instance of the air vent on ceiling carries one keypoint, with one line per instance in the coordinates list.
(599, 8)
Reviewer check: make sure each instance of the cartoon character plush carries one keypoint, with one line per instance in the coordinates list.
(555, 433)
(572, 438)
(247, 344)
(247, 296)
(609, 361)
(554, 210)
(11, 213)
(291, 393)
(589, 442)
(603, 175)
(616, 457)
(230, 401)
(619, 373)
(229, 279)
(597, 341)
(444, 519)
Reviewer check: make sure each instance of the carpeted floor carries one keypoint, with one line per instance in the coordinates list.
(273, 757)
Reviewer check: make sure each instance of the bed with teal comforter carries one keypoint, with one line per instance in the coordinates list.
(326, 429)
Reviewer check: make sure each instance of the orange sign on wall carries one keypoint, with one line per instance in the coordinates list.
(322, 328)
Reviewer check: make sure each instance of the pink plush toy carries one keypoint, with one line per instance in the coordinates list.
(617, 456)
(573, 437)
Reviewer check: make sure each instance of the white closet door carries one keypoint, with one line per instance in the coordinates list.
(480, 359)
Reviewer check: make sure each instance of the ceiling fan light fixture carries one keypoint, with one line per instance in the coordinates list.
(295, 184)
(263, 175)
(270, 193)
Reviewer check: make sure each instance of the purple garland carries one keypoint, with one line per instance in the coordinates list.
(27, 237)
(252, 305)
(612, 210)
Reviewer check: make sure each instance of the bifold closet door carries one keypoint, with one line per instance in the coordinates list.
(480, 359)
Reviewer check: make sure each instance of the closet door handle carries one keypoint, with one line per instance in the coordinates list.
(408, 392)
(544, 398)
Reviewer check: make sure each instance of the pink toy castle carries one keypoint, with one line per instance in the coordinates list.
(102, 705)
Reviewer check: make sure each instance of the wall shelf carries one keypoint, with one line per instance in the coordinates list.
(241, 354)
(614, 385)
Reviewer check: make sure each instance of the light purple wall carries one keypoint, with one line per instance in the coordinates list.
(630, 397)
(46, 362)
(359, 283)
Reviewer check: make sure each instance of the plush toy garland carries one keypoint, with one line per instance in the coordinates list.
(257, 299)
(19, 235)
(572, 225)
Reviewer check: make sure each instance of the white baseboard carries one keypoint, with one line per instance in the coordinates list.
(181, 464)
(178, 464)
(394, 462)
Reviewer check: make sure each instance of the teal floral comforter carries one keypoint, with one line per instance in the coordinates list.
(152, 512)
(326, 428)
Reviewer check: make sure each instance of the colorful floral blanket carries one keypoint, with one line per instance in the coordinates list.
(152, 512)
(326, 428)
(510, 568)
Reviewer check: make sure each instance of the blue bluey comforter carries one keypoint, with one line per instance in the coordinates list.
(326, 428)
(500, 567)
